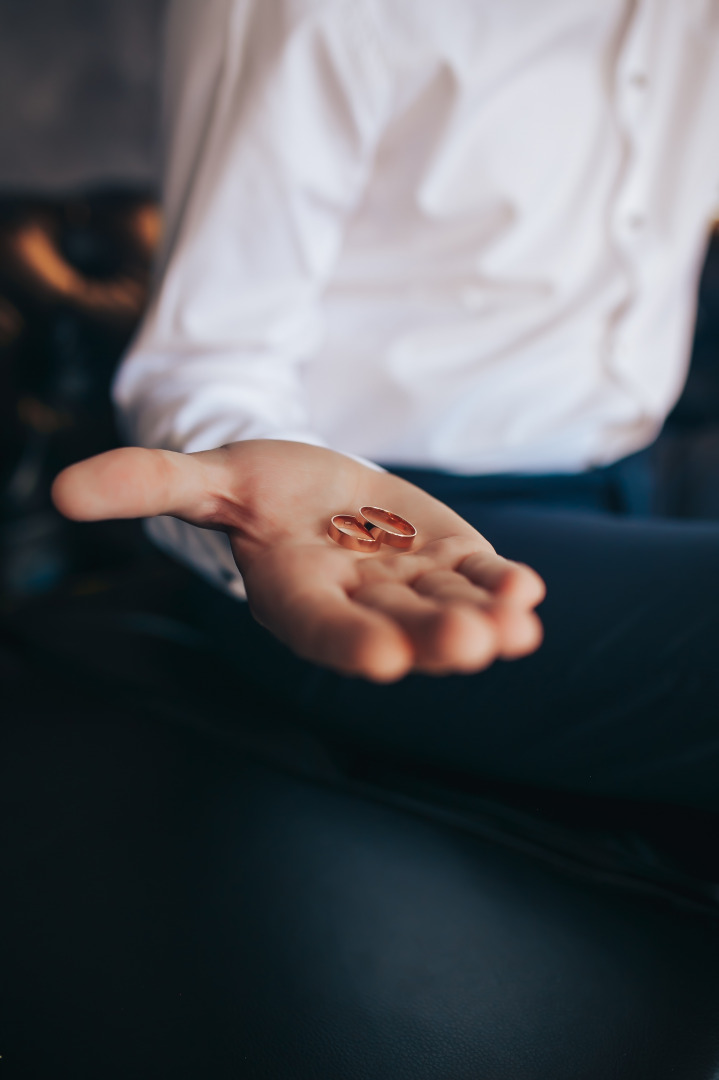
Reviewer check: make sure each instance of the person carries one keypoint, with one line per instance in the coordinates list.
(442, 260)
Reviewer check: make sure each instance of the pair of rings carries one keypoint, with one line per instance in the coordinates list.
(370, 528)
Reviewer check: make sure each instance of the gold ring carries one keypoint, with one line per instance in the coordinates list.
(349, 532)
(389, 528)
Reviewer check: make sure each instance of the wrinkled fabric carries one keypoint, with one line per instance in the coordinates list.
(463, 236)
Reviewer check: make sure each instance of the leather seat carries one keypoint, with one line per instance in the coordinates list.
(230, 901)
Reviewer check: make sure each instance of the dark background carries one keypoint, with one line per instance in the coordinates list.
(79, 155)
(78, 93)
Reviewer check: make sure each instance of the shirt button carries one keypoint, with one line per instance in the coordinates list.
(638, 80)
(636, 221)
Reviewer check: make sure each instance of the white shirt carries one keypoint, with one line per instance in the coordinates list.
(463, 235)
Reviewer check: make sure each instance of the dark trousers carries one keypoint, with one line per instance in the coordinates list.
(622, 698)
(165, 898)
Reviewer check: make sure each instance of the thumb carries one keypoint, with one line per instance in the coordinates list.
(133, 482)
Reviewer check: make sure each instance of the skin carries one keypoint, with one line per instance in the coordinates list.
(450, 605)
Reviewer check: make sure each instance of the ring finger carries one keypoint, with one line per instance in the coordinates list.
(444, 636)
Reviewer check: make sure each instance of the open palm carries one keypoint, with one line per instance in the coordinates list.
(451, 604)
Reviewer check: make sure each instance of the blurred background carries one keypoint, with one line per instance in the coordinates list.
(79, 163)
(79, 222)
(78, 83)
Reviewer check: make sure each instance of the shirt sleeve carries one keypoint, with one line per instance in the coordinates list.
(273, 109)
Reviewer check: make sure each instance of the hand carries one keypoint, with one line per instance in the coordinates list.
(449, 605)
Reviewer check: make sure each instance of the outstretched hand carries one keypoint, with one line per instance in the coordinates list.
(450, 605)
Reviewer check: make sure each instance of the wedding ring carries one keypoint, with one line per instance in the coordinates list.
(349, 532)
(388, 528)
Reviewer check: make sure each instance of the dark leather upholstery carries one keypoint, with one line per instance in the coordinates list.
(183, 904)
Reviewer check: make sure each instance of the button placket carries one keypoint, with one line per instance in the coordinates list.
(631, 88)
(628, 215)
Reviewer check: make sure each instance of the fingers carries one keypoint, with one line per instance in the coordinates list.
(328, 628)
(518, 630)
(444, 637)
(513, 581)
(503, 593)
(300, 593)
(133, 482)
(320, 603)
(499, 577)
(387, 617)
(454, 626)
(516, 589)
(450, 587)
